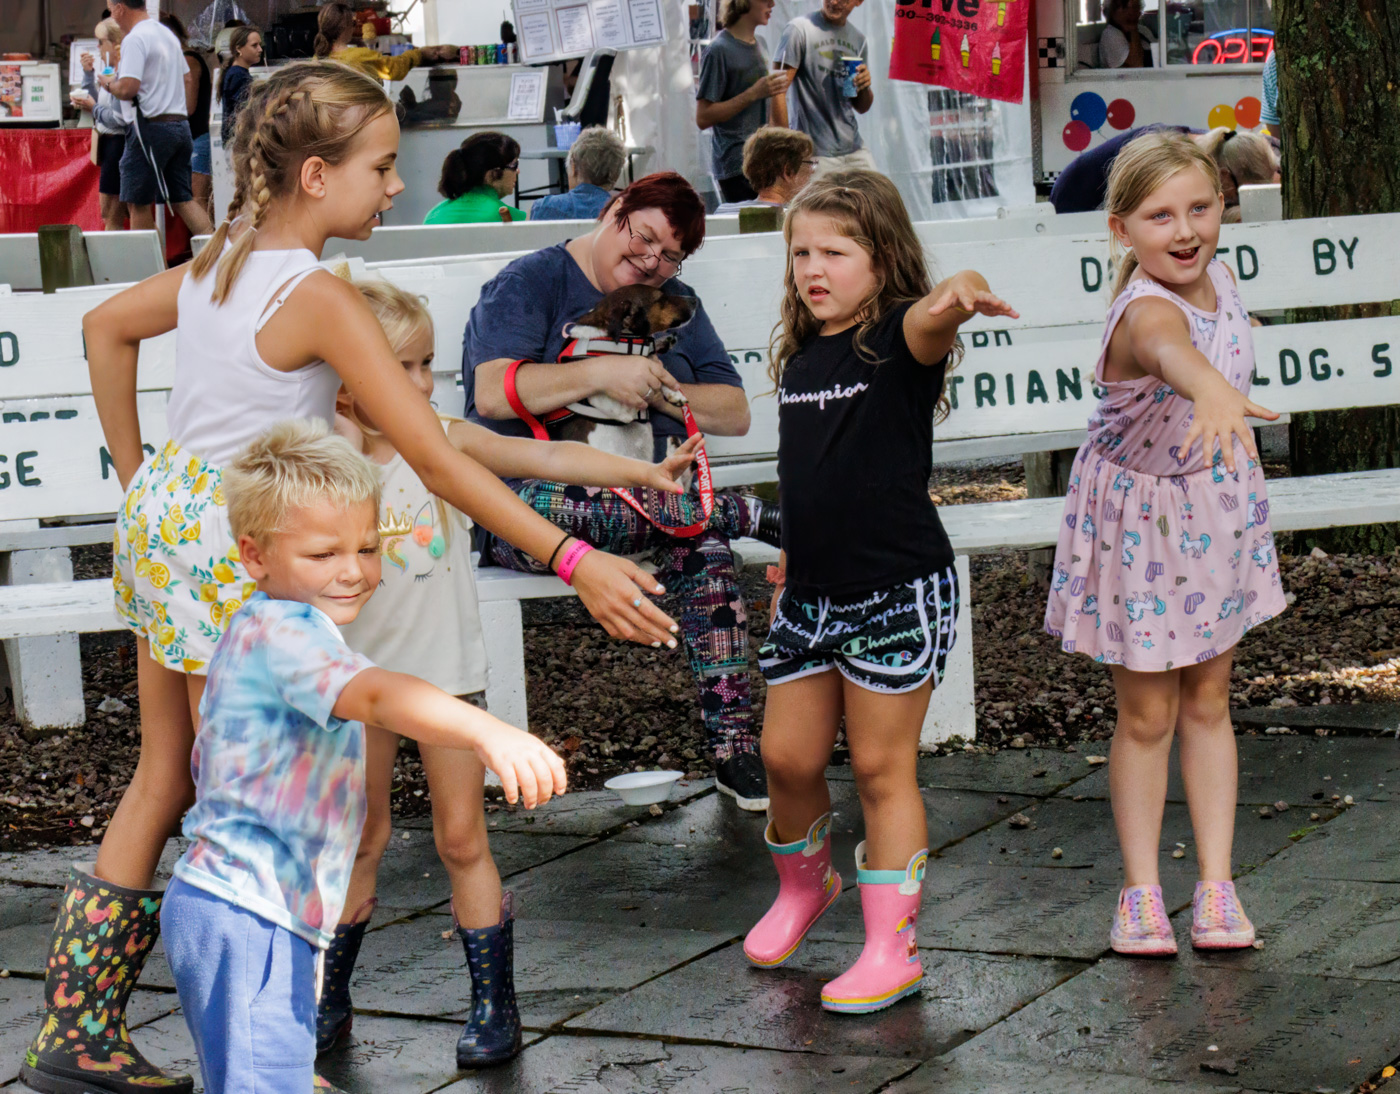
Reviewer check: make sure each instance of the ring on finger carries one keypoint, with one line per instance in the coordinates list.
(637, 603)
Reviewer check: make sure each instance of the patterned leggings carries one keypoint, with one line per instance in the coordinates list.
(699, 571)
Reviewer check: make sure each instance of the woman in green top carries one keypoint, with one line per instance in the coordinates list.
(475, 177)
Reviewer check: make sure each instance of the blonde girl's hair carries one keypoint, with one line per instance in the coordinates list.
(403, 316)
(312, 108)
(866, 207)
(1248, 156)
(109, 31)
(293, 465)
(1143, 166)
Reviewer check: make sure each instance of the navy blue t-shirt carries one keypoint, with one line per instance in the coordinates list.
(1082, 186)
(522, 313)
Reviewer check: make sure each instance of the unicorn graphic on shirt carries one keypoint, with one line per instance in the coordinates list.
(1194, 548)
(1130, 540)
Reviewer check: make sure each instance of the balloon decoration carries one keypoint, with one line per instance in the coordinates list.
(1088, 115)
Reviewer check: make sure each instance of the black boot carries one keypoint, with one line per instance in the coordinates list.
(334, 1011)
(492, 1032)
(100, 942)
(765, 520)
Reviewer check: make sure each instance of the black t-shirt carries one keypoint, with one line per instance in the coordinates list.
(855, 452)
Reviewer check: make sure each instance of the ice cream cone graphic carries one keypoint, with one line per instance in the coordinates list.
(966, 51)
(1001, 11)
(996, 59)
(936, 45)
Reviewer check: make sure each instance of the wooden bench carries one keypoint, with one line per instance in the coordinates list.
(1025, 385)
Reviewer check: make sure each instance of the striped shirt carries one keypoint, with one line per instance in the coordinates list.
(1269, 114)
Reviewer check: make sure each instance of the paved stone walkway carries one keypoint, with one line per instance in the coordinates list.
(631, 979)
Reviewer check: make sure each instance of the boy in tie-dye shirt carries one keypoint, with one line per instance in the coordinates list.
(279, 761)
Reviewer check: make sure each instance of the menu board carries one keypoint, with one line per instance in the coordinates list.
(553, 30)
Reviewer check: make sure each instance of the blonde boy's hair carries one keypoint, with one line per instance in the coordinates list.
(402, 314)
(1144, 165)
(294, 464)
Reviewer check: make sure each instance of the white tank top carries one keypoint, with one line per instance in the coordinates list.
(225, 394)
(424, 619)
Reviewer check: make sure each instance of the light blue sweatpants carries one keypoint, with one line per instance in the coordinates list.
(248, 991)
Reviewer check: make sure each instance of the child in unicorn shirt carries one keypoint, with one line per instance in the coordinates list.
(278, 762)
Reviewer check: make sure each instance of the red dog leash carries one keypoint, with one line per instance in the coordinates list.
(702, 460)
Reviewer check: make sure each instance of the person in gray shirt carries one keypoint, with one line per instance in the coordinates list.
(812, 47)
(734, 91)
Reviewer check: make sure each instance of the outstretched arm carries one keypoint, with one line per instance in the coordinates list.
(568, 461)
(931, 325)
(403, 704)
(348, 337)
(1160, 343)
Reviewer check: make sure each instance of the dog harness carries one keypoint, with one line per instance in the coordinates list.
(632, 347)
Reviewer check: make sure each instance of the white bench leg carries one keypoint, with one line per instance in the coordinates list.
(46, 673)
(951, 712)
(505, 656)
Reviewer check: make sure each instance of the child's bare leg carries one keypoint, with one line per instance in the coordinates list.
(381, 748)
(1209, 763)
(883, 732)
(162, 787)
(455, 780)
(800, 721)
(1137, 769)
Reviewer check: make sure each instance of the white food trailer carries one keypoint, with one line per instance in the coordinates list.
(1206, 58)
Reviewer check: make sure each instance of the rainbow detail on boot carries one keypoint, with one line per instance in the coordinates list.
(807, 887)
(1218, 921)
(888, 968)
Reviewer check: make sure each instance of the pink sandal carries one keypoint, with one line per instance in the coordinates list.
(1141, 927)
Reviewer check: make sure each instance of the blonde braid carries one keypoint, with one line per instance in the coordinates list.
(311, 108)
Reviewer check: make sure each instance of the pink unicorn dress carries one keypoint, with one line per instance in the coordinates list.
(1163, 559)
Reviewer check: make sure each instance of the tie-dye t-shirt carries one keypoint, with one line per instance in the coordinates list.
(279, 780)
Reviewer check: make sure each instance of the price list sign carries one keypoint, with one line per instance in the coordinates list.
(555, 30)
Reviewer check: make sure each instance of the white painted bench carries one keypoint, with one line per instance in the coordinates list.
(116, 258)
(1024, 386)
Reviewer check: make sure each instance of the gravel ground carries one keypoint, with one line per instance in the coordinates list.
(610, 707)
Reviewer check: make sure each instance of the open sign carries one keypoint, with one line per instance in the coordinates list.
(1238, 46)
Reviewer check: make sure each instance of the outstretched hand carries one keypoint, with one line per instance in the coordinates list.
(665, 476)
(1218, 419)
(966, 296)
(611, 589)
(527, 767)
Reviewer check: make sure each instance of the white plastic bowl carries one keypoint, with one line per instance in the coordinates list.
(643, 787)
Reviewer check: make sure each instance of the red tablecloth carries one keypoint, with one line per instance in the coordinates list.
(48, 179)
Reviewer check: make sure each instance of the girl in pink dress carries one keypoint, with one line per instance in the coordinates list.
(1165, 556)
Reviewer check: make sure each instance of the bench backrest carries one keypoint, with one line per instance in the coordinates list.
(116, 258)
(1022, 379)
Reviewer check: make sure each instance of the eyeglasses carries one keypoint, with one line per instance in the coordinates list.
(813, 163)
(513, 165)
(649, 249)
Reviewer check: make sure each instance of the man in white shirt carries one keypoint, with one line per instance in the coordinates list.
(150, 81)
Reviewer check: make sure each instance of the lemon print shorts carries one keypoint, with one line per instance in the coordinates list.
(176, 572)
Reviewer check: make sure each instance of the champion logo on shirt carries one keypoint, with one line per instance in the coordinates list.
(821, 397)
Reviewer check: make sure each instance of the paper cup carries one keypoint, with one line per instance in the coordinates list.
(848, 81)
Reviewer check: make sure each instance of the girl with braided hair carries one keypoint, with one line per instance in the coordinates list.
(314, 155)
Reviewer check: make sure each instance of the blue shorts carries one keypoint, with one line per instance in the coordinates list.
(890, 640)
(248, 991)
(156, 163)
(201, 161)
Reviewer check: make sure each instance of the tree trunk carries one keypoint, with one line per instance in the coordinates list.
(1339, 98)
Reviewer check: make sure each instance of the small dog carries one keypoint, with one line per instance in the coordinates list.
(634, 314)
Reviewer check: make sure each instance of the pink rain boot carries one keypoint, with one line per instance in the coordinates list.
(888, 968)
(806, 889)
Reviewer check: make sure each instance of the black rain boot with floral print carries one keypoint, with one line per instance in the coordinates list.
(100, 942)
(492, 1031)
(334, 1010)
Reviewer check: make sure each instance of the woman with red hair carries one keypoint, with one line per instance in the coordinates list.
(514, 339)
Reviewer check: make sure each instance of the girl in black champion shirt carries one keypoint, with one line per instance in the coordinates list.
(864, 613)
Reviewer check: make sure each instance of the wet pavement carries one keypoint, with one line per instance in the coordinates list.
(631, 979)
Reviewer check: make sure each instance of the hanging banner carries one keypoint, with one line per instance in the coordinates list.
(976, 46)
